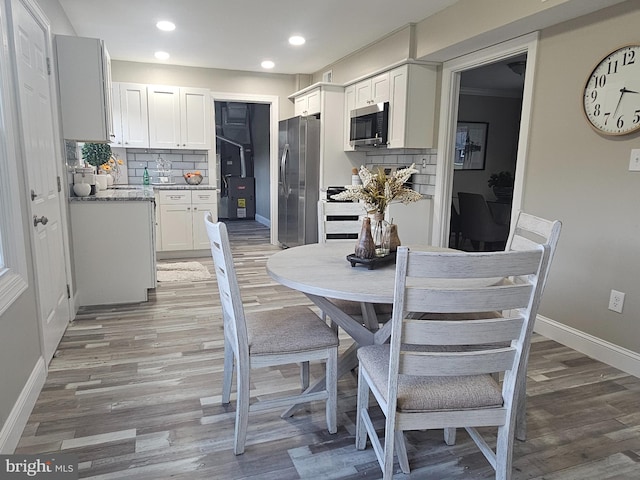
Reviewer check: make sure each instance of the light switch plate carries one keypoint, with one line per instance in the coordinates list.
(634, 161)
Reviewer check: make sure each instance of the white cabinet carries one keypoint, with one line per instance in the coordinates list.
(308, 103)
(412, 106)
(128, 269)
(182, 213)
(179, 117)
(372, 90)
(130, 116)
(349, 104)
(84, 83)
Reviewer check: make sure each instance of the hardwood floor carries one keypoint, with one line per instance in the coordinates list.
(134, 392)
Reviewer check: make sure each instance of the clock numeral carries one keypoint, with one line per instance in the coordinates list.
(606, 117)
(619, 122)
(629, 57)
(596, 110)
(599, 81)
(594, 95)
(636, 117)
(612, 67)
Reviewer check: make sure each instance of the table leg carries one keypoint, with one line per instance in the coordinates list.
(361, 335)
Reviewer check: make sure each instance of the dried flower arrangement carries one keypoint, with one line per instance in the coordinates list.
(378, 190)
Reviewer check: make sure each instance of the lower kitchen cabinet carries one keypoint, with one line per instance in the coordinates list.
(181, 224)
(113, 250)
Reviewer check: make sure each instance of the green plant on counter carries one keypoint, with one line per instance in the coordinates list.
(96, 154)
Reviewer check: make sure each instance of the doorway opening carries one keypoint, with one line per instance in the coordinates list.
(486, 149)
(243, 159)
(452, 71)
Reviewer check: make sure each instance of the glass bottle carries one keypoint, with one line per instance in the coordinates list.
(380, 233)
(145, 177)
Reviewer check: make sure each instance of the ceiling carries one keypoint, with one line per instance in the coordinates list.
(240, 34)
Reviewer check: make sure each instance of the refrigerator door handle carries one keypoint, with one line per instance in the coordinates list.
(283, 169)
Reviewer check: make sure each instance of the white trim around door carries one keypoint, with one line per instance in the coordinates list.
(451, 71)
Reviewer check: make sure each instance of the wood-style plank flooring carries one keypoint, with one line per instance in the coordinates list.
(134, 391)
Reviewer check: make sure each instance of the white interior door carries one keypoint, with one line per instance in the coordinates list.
(41, 159)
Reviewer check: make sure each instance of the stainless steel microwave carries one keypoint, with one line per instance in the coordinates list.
(369, 125)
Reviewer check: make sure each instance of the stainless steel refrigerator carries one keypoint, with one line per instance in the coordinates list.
(298, 181)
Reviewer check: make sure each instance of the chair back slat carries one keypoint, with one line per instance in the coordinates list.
(461, 332)
(330, 224)
(443, 364)
(466, 300)
(450, 265)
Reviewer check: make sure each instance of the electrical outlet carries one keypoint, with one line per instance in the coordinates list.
(634, 160)
(616, 301)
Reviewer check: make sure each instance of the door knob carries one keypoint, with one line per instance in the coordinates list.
(43, 220)
(34, 195)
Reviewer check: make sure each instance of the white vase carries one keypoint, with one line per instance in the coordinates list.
(82, 189)
(101, 182)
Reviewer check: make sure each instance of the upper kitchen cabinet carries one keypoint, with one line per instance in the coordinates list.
(130, 116)
(179, 117)
(412, 106)
(307, 104)
(84, 83)
(372, 90)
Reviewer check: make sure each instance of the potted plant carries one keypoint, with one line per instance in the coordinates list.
(502, 185)
(96, 154)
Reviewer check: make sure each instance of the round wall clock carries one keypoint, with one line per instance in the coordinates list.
(612, 92)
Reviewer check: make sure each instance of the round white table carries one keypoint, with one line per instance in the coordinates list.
(322, 272)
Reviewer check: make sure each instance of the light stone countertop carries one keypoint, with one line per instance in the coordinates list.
(118, 194)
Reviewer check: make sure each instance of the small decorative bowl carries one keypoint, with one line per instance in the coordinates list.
(192, 178)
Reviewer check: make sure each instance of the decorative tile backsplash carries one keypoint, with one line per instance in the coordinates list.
(182, 161)
(424, 182)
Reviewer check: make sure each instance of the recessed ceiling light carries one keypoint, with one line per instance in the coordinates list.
(166, 26)
(161, 55)
(268, 64)
(297, 40)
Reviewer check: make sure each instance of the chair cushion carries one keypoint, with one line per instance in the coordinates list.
(420, 394)
(287, 330)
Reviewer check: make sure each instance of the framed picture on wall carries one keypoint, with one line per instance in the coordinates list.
(471, 145)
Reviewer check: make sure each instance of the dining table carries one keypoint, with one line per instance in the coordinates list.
(322, 272)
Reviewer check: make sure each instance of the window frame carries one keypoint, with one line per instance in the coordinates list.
(13, 259)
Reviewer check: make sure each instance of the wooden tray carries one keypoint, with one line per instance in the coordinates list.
(371, 263)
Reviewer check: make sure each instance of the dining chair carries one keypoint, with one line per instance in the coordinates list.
(478, 225)
(342, 221)
(527, 232)
(438, 373)
(264, 339)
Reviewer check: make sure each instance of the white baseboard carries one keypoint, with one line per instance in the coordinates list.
(262, 220)
(17, 420)
(609, 353)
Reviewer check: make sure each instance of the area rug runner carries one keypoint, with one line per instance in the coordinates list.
(182, 272)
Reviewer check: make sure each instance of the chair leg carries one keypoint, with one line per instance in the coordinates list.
(363, 405)
(401, 451)
(228, 372)
(242, 411)
(521, 412)
(304, 375)
(450, 436)
(331, 383)
(504, 452)
(389, 447)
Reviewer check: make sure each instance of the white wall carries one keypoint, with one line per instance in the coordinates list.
(582, 178)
